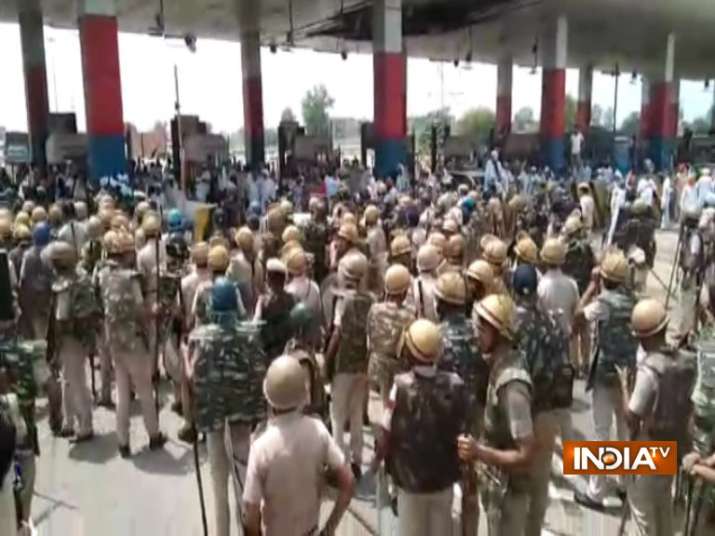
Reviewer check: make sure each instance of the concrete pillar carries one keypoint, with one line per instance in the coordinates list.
(98, 35)
(676, 107)
(553, 93)
(390, 87)
(505, 70)
(660, 110)
(252, 98)
(583, 106)
(34, 66)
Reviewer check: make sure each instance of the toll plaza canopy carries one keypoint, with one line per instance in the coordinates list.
(631, 33)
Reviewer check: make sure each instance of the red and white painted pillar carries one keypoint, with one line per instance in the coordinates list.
(33, 62)
(252, 98)
(98, 35)
(583, 106)
(662, 116)
(390, 85)
(505, 69)
(553, 94)
(645, 102)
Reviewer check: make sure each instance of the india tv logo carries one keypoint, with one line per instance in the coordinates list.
(620, 458)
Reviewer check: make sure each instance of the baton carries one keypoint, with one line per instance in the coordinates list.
(199, 482)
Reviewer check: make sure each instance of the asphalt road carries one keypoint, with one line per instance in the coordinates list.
(88, 490)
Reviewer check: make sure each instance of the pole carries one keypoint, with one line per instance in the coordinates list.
(180, 141)
(199, 482)
(688, 505)
(675, 263)
(155, 376)
(616, 74)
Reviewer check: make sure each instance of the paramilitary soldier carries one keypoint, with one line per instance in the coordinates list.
(289, 461)
(227, 367)
(461, 355)
(124, 323)
(656, 411)
(508, 446)
(273, 310)
(545, 350)
(426, 414)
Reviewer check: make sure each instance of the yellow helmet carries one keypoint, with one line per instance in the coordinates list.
(400, 245)
(142, 208)
(126, 239)
(353, 266)
(614, 266)
(480, 270)
(218, 258)
(23, 218)
(120, 222)
(428, 258)
(498, 310)
(22, 233)
(38, 215)
(526, 250)
(495, 252)
(94, 228)
(287, 207)
(553, 252)
(80, 209)
(296, 262)
(275, 221)
(284, 384)
(450, 226)
(5, 228)
(518, 203)
(438, 240)
(423, 340)
(244, 239)
(455, 248)
(151, 224)
(105, 215)
(648, 318)
(485, 239)
(28, 207)
(112, 243)
(573, 225)
(200, 253)
(291, 233)
(348, 232)
(55, 214)
(450, 288)
(348, 218)
(63, 255)
(371, 215)
(397, 280)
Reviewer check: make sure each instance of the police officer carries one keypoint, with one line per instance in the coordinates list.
(654, 412)
(347, 356)
(304, 290)
(246, 270)
(288, 462)
(385, 323)
(419, 431)
(609, 314)
(197, 276)
(454, 255)
(495, 252)
(217, 261)
(423, 300)
(124, 322)
(401, 251)
(70, 347)
(479, 278)
(377, 244)
(316, 238)
(227, 367)
(461, 355)
(508, 446)
(273, 309)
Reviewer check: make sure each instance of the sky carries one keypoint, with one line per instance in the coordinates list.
(210, 82)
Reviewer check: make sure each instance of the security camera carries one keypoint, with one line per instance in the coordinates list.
(273, 48)
(456, 63)
(190, 40)
(344, 54)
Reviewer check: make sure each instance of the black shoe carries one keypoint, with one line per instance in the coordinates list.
(157, 442)
(187, 434)
(106, 403)
(622, 495)
(66, 433)
(585, 500)
(357, 471)
(83, 438)
(393, 505)
(124, 451)
(176, 408)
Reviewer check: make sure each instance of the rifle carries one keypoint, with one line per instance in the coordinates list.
(155, 373)
(468, 480)
(91, 375)
(422, 298)
(330, 366)
(675, 263)
(688, 506)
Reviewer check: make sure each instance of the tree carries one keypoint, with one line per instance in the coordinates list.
(476, 124)
(421, 127)
(597, 115)
(287, 115)
(524, 120)
(607, 121)
(630, 124)
(316, 105)
(700, 125)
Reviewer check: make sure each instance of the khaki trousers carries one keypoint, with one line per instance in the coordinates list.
(546, 426)
(227, 450)
(77, 399)
(52, 385)
(510, 519)
(134, 370)
(606, 403)
(425, 514)
(348, 394)
(651, 505)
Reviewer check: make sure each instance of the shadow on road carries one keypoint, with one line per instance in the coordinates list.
(101, 449)
(164, 461)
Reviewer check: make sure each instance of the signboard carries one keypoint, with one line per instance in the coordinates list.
(201, 147)
(63, 147)
(17, 148)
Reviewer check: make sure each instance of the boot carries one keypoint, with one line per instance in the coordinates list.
(187, 434)
(157, 442)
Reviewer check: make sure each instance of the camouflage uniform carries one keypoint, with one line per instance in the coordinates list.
(505, 496)
(102, 346)
(229, 367)
(128, 345)
(24, 361)
(385, 323)
(273, 309)
(579, 264)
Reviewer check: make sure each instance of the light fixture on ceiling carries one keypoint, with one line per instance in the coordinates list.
(456, 62)
(535, 54)
(707, 84)
(190, 41)
(273, 47)
(634, 76)
(344, 54)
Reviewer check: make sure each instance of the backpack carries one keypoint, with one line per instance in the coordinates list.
(352, 352)
(544, 348)
(117, 297)
(85, 310)
(676, 378)
(616, 345)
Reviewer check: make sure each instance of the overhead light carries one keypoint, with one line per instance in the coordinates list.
(344, 54)
(535, 53)
(468, 57)
(190, 40)
(634, 76)
(707, 83)
(273, 47)
(456, 62)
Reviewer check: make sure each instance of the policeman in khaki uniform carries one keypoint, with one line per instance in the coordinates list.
(454, 255)
(385, 323)
(226, 366)
(426, 414)
(508, 447)
(649, 497)
(495, 253)
(401, 251)
(289, 461)
(423, 300)
(377, 243)
(246, 270)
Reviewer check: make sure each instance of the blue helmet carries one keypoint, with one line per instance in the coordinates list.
(525, 280)
(176, 220)
(223, 296)
(41, 234)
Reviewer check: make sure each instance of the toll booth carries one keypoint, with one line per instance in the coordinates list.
(296, 150)
(367, 148)
(66, 147)
(204, 150)
(288, 131)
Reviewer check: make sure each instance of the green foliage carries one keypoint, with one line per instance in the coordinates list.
(476, 124)
(630, 124)
(316, 106)
(421, 127)
(524, 120)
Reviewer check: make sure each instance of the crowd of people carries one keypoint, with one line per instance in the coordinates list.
(450, 319)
